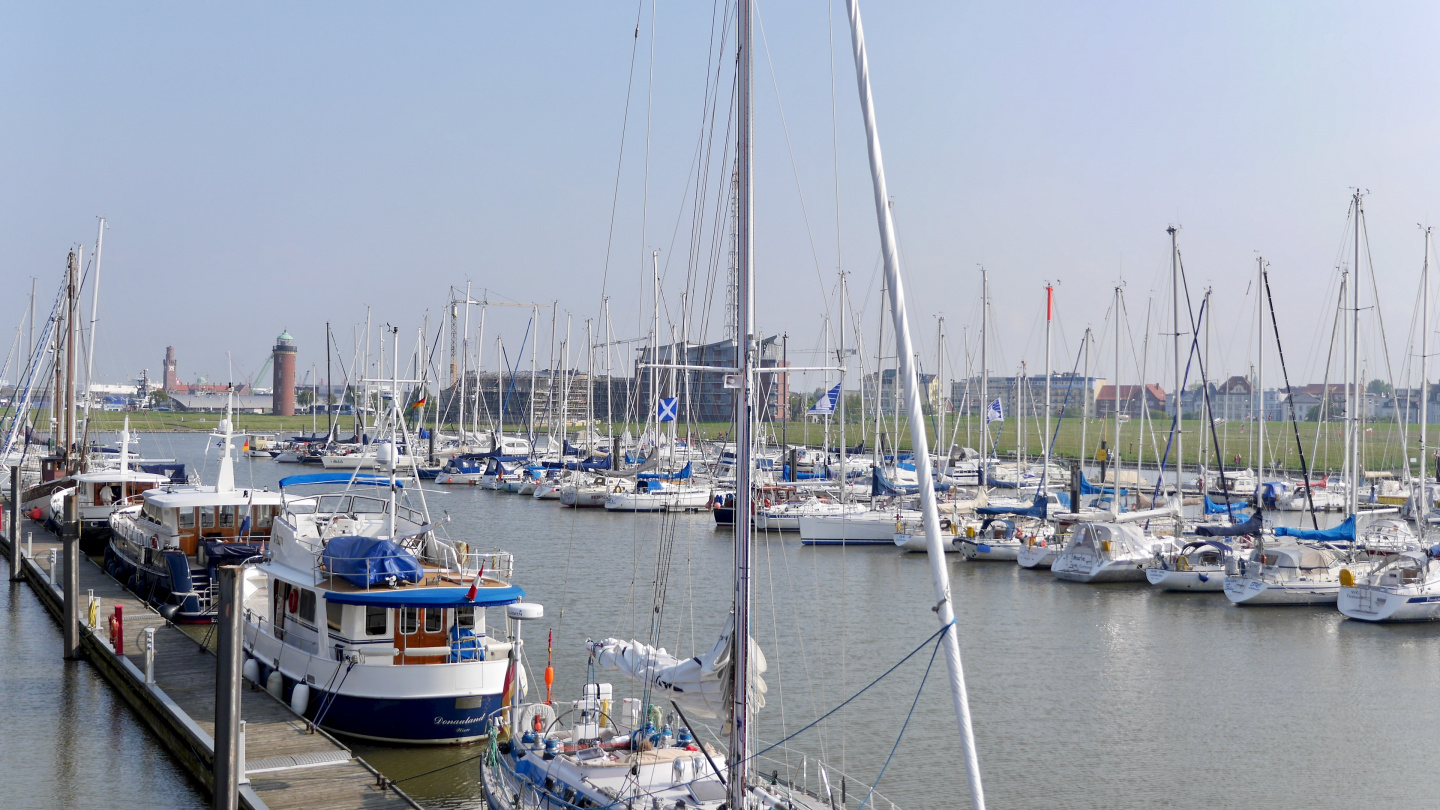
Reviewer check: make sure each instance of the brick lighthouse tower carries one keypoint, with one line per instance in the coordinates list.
(283, 390)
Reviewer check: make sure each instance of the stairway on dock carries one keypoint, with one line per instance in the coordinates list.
(289, 763)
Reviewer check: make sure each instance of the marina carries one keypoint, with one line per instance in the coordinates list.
(607, 457)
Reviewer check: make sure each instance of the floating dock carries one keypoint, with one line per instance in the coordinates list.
(288, 762)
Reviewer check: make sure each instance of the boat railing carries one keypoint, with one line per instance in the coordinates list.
(814, 777)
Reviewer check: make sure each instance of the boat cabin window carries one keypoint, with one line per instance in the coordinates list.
(368, 506)
(187, 518)
(334, 503)
(409, 621)
(307, 605)
(434, 620)
(207, 517)
(227, 517)
(465, 617)
(262, 517)
(333, 614)
(375, 620)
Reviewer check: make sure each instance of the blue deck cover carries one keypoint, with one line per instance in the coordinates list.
(367, 561)
(1344, 533)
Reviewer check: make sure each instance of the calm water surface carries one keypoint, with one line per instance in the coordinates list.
(1083, 696)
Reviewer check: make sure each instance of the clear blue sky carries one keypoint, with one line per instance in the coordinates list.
(274, 166)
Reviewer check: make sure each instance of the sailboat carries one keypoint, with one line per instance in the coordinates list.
(645, 755)
(1313, 567)
(366, 618)
(166, 546)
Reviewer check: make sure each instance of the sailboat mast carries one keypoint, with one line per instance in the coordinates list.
(1260, 373)
(984, 372)
(940, 406)
(72, 329)
(94, 319)
(905, 354)
(1115, 451)
(737, 785)
(1049, 322)
(840, 405)
(1084, 409)
(1359, 391)
(1424, 371)
(1179, 371)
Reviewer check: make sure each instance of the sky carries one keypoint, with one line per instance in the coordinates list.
(275, 167)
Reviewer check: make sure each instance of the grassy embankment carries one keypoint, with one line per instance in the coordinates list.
(1381, 446)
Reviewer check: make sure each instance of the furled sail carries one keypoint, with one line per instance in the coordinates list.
(700, 685)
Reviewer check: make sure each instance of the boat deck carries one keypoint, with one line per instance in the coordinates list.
(289, 764)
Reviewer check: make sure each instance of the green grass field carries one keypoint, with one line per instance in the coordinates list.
(1381, 446)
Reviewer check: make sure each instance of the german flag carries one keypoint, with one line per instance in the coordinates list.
(419, 403)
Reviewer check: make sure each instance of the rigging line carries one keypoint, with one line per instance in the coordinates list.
(620, 161)
(790, 148)
(906, 724)
(1294, 422)
(645, 188)
(933, 636)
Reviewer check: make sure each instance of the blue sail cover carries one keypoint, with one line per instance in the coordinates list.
(1087, 488)
(1344, 533)
(1035, 510)
(1251, 526)
(367, 561)
(685, 474)
(1214, 508)
(880, 485)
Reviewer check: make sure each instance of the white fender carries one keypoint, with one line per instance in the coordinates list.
(300, 699)
(275, 685)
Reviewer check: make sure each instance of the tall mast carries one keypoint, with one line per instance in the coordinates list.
(465, 366)
(1115, 451)
(1348, 473)
(1357, 413)
(479, 365)
(1179, 371)
(1260, 373)
(940, 406)
(840, 405)
(1084, 407)
(738, 784)
(984, 372)
(905, 357)
(1049, 321)
(534, 344)
(72, 329)
(94, 319)
(330, 390)
(655, 339)
(1424, 369)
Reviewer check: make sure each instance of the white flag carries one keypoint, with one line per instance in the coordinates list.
(994, 413)
(826, 404)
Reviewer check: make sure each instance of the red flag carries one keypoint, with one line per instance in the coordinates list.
(507, 693)
(1049, 303)
(475, 586)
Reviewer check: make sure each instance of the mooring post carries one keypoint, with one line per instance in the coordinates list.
(14, 517)
(228, 763)
(244, 779)
(150, 655)
(71, 571)
(54, 561)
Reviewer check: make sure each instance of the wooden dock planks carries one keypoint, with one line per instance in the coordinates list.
(298, 767)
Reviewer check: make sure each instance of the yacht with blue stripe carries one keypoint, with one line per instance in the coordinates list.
(369, 621)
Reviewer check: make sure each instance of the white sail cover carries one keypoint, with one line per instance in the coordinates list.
(699, 685)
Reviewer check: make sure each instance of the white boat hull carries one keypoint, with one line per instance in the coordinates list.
(672, 501)
(1254, 591)
(1206, 579)
(996, 551)
(1038, 556)
(1370, 604)
(847, 530)
(1093, 571)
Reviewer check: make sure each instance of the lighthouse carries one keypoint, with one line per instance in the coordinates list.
(283, 391)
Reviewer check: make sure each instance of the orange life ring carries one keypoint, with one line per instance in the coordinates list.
(294, 600)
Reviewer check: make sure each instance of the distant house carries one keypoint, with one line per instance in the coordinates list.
(215, 403)
(1134, 399)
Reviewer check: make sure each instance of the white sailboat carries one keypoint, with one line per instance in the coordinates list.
(598, 760)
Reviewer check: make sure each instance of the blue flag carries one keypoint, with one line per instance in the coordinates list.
(665, 411)
(826, 404)
(994, 413)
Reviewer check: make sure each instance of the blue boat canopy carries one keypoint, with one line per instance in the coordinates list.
(1251, 526)
(337, 478)
(367, 561)
(1234, 508)
(429, 597)
(1036, 509)
(1344, 533)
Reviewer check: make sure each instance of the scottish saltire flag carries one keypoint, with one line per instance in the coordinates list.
(994, 413)
(665, 411)
(826, 404)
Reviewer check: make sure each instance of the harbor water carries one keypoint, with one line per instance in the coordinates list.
(1083, 696)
